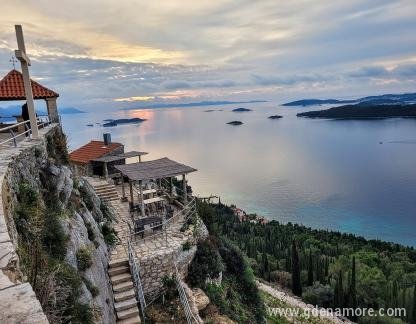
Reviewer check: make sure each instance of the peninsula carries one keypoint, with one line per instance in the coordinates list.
(364, 111)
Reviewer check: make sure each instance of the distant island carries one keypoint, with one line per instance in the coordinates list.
(385, 99)
(363, 111)
(235, 123)
(70, 111)
(116, 122)
(316, 102)
(241, 109)
(275, 117)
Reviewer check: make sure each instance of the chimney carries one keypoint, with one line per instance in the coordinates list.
(107, 139)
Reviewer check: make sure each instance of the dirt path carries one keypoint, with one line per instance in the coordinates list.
(297, 303)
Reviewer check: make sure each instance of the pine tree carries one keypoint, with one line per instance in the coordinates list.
(310, 269)
(296, 283)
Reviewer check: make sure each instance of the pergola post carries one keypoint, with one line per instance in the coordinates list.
(131, 193)
(105, 170)
(140, 158)
(141, 198)
(20, 53)
(185, 194)
(52, 110)
(123, 189)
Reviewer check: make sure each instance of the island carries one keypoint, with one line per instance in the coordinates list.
(316, 102)
(116, 122)
(235, 123)
(241, 109)
(402, 98)
(70, 111)
(275, 117)
(363, 111)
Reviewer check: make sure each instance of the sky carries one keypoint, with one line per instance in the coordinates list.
(105, 54)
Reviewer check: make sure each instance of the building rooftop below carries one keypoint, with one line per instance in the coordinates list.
(91, 151)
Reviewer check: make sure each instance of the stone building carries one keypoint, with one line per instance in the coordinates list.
(93, 158)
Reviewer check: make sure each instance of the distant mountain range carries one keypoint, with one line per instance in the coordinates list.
(385, 99)
(16, 110)
(194, 104)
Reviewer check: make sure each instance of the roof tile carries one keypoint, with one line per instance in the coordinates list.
(12, 88)
(91, 151)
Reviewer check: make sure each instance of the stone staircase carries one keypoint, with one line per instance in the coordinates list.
(106, 191)
(125, 303)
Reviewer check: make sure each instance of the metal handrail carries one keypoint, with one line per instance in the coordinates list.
(190, 318)
(135, 271)
(40, 120)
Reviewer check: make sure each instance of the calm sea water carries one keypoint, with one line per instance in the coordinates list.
(352, 176)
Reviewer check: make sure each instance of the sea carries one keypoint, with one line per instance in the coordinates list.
(355, 176)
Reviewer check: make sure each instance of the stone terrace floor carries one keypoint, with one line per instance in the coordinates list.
(151, 246)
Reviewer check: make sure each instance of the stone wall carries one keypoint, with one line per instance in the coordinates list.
(40, 164)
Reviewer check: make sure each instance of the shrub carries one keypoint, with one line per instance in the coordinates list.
(106, 212)
(54, 238)
(206, 263)
(109, 234)
(90, 231)
(186, 246)
(86, 198)
(82, 313)
(84, 259)
(170, 286)
(91, 287)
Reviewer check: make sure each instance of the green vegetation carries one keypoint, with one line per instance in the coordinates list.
(56, 146)
(346, 271)
(84, 259)
(109, 234)
(42, 249)
(237, 296)
(186, 246)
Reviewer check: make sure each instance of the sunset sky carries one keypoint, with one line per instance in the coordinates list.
(115, 54)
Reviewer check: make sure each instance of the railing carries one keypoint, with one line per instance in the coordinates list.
(190, 318)
(134, 268)
(184, 214)
(14, 129)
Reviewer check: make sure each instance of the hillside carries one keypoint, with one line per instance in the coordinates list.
(363, 111)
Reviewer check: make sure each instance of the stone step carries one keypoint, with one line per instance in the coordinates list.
(128, 313)
(131, 320)
(124, 286)
(108, 194)
(118, 262)
(125, 304)
(120, 296)
(117, 279)
(119, 270)
(106, 188)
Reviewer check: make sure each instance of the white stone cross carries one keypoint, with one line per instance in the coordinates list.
(20, 54)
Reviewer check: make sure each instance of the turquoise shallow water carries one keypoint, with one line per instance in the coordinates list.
(321, 173)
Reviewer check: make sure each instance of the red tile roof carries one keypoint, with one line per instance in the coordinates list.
(91, 151)
(12, 88)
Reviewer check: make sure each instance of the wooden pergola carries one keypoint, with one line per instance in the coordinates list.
(152, 170)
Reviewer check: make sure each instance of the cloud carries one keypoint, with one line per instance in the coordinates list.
(98, 52)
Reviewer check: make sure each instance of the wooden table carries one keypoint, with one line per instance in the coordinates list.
(153, 200)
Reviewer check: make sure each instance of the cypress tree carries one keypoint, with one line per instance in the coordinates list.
(340, 291)
(310, 269)
(414, 306)
(296, 283)
(353, 286)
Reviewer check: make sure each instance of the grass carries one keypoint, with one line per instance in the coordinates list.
(296, 313)
(84, 259)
